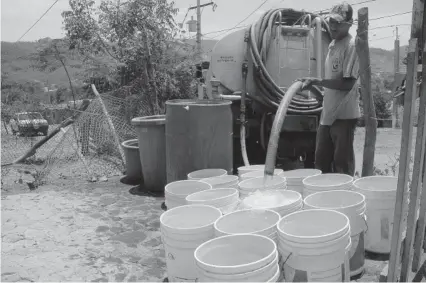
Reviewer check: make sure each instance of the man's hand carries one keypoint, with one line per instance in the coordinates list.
(308, 82)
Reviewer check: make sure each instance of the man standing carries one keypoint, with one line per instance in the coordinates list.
(335, 136)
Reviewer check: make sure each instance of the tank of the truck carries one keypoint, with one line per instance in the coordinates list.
(291, 55)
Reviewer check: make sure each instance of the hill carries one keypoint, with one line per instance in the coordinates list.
(15, 62)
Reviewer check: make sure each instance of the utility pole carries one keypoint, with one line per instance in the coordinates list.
(199, 55)
(395, 118)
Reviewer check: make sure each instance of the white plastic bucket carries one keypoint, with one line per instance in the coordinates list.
(248, 221)
(206, 173)
(262, 184)
(352, 204)
(245, 169)
(327, 182)
(225, 181)
(380, 195)
(176, 192)
(282, 201)
(314, 245)
(259, 173)
(231, 257)
(183, 229)
(295, 178)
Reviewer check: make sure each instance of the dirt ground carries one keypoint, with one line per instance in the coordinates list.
(74, 230)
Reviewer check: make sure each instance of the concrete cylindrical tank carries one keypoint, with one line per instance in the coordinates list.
(151, 140)
(198, 136)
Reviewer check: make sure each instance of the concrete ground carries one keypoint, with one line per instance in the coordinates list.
(84, 232)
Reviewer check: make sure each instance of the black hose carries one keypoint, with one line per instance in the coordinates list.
(270, 94)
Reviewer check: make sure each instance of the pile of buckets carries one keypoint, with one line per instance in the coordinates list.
(221, 227)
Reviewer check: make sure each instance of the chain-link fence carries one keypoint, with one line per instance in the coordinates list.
(84, 149)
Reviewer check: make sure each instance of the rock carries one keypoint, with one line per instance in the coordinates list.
(103, 179)
(93, 179)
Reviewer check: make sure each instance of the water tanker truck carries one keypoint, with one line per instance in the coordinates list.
(255, 68)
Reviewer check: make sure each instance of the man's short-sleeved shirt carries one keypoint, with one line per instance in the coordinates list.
(341, 62)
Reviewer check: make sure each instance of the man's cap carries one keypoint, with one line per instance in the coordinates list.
(342, 12)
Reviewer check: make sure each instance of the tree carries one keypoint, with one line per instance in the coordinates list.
(52, 55)
(130, 45)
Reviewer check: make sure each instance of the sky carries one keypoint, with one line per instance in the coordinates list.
(18, 15)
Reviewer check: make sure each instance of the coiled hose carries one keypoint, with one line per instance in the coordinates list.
(269, 93)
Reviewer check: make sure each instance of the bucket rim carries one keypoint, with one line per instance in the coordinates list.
(308, 211)
(233, 179)
(198, 102)
(197, 250)
(276, 214)
(330, 192)
(357, 181)
(305, 180)
(152, 120)
(129, 144)
(223, 172)
(317, 172)
(167, 187)
(233, 192)
(165, 213)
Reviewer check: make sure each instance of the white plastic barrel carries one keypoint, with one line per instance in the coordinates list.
(282, 201)
(380, 195)
(225, 181)
(237, 258)
(206, 173)
(176, 192)
(252, 185)
(259, 173)
(327, 182)
(295, 178)
(248, 221)
(352, 204)
(245, 169)
(183, 229)
(314, 246)
(226, 199)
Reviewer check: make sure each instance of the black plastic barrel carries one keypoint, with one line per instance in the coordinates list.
(198, 136)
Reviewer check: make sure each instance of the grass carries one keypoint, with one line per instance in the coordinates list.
(388, 146)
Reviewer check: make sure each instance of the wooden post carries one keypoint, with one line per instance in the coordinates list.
(368, 102)
(395, 122)
(404, 160)
(420, 233)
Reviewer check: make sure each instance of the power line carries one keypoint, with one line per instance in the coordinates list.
(38, 19)
(263, 3)
(236, 26)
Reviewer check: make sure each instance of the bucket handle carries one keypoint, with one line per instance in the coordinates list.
(366, 224)
(288, 257)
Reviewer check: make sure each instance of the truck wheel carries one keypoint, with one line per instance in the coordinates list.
(45, 132)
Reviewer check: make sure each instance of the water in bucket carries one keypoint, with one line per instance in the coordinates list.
(282, 201)
(207, 173)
